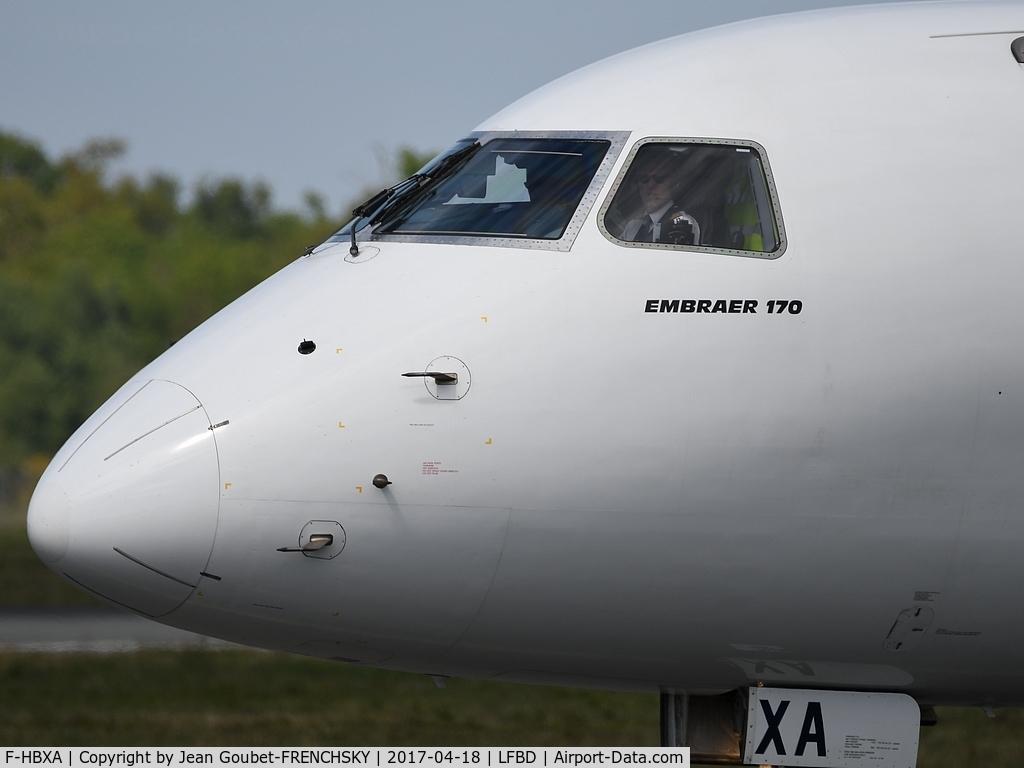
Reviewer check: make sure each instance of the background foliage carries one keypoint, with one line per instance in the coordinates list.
(99, 276)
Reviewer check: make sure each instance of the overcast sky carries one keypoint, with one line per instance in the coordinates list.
(307, 94)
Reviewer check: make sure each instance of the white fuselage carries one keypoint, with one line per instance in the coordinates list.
(625, 498)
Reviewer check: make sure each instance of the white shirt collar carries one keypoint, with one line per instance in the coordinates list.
(656, 216)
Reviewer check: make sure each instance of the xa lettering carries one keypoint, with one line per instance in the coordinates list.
(812, 719)
(772, 735)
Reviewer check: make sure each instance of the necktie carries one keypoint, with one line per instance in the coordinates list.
(644, 234)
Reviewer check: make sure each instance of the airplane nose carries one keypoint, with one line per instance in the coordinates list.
(131, 512)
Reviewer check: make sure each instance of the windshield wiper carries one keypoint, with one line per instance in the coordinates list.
(367, 207)
(386, 199)
(448, 162)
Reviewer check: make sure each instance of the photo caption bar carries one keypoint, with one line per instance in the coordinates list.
(534, 757)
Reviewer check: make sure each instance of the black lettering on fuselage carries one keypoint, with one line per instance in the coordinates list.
(715, 306)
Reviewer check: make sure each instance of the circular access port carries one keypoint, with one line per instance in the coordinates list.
(323, 528)
(448, 364)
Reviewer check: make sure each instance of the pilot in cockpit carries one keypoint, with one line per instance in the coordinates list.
(656, 176)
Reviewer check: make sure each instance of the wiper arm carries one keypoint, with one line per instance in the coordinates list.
(388, 198)
(364, 209)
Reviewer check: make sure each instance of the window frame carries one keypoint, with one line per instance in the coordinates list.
(737, 143)
(616, 141)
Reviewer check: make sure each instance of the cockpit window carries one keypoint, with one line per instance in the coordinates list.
(508, 188)
(523, 190)
(692, 194)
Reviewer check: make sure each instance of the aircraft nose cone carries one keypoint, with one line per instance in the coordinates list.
(49, 519)
(130, 513)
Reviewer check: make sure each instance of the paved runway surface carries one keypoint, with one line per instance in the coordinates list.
(98, 630)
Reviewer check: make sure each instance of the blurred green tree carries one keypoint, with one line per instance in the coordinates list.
(232, 207)
(97, 277)
(410, 161)
(24, 158)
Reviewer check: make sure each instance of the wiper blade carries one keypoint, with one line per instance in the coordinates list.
(387, 199)
(393, 194)
(449, 161)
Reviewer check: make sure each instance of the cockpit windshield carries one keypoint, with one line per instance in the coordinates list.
(512, 188)
(508, 188)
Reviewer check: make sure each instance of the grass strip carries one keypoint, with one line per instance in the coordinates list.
(252, 698)
(242, 698)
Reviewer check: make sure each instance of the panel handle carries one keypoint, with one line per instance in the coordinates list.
(447, 379)
(316, 541)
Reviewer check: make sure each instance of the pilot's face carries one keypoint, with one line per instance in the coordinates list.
(655, 188)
